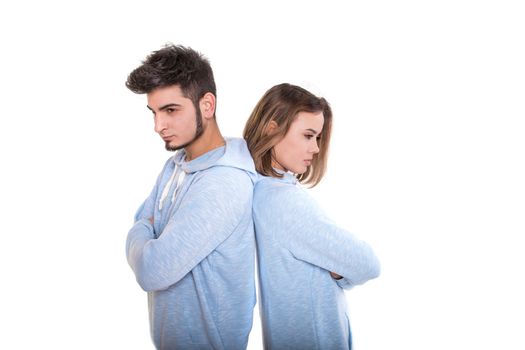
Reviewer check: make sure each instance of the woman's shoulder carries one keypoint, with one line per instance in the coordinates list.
(278, 191)
(270, 183)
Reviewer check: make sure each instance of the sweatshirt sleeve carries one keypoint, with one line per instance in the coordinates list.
(211, 210)
(312, 237)
(147, 209)
(142, 230)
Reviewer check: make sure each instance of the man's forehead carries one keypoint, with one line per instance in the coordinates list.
(166, 95)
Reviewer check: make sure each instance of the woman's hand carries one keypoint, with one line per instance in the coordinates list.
(335, 276)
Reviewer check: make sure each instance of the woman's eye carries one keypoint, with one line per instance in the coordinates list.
(308, 136)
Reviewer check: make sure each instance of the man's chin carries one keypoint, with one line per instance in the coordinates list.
(172, 148)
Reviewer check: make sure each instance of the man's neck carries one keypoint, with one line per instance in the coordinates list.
(209, 140)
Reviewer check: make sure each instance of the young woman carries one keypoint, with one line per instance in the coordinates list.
(305, 260)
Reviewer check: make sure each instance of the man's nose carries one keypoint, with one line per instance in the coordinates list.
(159, 124)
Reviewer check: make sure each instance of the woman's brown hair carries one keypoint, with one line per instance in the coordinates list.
(281, 104)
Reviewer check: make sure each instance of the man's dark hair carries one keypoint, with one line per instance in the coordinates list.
(174, 65)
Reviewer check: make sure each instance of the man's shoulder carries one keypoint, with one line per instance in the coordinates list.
(227, 171)
(227, 177)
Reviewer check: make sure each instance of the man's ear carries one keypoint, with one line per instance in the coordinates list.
(271, 127)
(207, 105)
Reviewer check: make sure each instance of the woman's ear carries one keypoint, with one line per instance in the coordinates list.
(207, 105)
(271, 127)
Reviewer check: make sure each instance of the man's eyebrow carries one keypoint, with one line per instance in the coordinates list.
(169, 105)
(165, 106)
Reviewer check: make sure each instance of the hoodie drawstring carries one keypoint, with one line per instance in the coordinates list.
(179, 175)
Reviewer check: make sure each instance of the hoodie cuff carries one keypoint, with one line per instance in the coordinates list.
(344, 283)
(145, 228)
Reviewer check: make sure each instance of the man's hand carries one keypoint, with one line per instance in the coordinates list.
(335, 276)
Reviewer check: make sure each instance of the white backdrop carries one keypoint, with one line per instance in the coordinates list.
(427, 162)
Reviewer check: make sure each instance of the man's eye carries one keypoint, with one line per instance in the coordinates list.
(170, 110)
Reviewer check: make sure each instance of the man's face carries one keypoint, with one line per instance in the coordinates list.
(175, 116)
(296, 150)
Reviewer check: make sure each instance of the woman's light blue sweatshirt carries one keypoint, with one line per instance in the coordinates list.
(301, 305)
(197, 259)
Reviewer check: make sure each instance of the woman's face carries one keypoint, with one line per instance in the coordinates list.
(296, 149)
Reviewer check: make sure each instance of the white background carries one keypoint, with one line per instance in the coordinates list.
(427, 159)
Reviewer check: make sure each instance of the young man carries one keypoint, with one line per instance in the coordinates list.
(192, 245)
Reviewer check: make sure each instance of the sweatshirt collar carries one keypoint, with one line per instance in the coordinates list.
(234, 153)
(288, 176)
(202, 162)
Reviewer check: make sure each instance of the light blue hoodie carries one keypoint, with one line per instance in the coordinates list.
(301, 305)
(197, 259)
